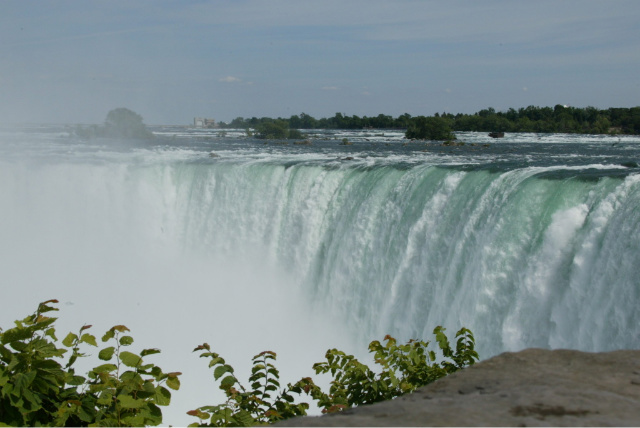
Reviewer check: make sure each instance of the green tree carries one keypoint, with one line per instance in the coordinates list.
(124, 123)
(402, 121)
(430, 128)
(271, 130)
(276, 130)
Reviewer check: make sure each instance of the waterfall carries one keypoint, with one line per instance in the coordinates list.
(261, 253)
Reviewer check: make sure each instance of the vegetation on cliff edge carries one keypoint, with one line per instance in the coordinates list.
(39, 385)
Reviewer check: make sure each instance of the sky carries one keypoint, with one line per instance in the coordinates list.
(172, 60)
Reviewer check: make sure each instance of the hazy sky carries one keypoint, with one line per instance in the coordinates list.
(73, 61)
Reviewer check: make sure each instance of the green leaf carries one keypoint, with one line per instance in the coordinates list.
(126, 340)
(105, 368)
(133, 420)
(163, 396)
(34, 402)
(131, 379)
(214, 361)
(155, 414)
(43, 307)
(76, 380)
(244, 418)
(128, 402)
(151, 351)
(51, 332)
(18, 333)
(89, 338)
(199, 414)
(227, 381)
(22, 381)
(106, 353)
(68, 341)
(220, 370)
(108, 335)
(105, 398)
(274, 372)
(274, 382)
(120, 328)
(5, 354)
(173, 383)
(129, 359)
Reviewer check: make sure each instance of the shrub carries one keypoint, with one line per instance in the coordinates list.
(294, 134)
(125, 123)
(37, 390)
(404, 369)
(430, 128)
(277, 130)
(120, 123)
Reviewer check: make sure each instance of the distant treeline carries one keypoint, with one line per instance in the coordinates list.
(588, 120)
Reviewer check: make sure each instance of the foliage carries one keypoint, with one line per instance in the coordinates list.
(277, 130)
(404, 369)
(429, 128)
(294, 134)
(124, 123)
(587, 120)
(120, 123)
(36, 389)
(246, 406)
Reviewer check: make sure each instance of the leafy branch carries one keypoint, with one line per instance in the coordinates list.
(39, 388)
(36, 389)
(404, 368)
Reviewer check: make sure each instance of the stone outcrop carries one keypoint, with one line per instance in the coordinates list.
(534, 387)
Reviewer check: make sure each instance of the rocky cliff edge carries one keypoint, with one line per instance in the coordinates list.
(534, 387)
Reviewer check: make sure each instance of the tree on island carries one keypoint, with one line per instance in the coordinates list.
(277, 130)
(429, 128)
(124, 123)
(120, 123)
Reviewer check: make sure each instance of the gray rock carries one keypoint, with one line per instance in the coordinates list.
(534, 387)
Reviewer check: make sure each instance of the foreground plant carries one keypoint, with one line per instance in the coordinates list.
(404, 368)
(37, 390)
(246, 406)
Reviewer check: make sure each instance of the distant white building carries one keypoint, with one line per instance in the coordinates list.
(203, 122)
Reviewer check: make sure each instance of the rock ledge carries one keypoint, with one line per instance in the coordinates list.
(534, 387)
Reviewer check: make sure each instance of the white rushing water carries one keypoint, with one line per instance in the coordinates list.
(298, 251)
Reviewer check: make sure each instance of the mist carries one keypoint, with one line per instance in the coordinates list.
(108, 247)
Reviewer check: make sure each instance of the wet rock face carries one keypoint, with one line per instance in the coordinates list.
(534, 387)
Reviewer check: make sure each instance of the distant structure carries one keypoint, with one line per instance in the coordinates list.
(203, 122)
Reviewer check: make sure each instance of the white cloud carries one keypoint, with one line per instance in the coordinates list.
(231, 79)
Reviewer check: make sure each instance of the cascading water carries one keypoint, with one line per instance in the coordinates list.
(521, 259)
(301, 249)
